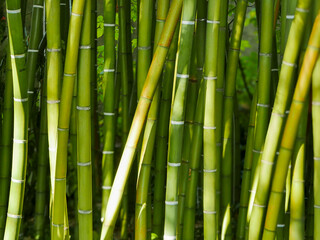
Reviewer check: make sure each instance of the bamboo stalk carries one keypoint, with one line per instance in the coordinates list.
(290, 131)
(59, 198)
(278, 112)
(138, 120)
(20, 120)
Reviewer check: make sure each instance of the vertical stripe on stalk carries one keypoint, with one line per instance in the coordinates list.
(59, 198)
(20, 120)
(280, 104)
(290, 131)
(138, 120)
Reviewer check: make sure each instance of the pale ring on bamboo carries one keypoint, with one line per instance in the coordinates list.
(76, 14)
(174, 164)
(87, 47)
(107, 152)
(84, 164)
(182, 75)
(84, 211)
(290, 17)
(184, 22)
(17, 180)
(18, 56)
(213, 21)
(303, 10)
(106, 187)
(166, 237)
(109, 25)
(177, 122)
(80, 108)
(14, 216)
(171, 203)
(14, 11)
(38, 6)
(33, 50)
(209, 170)
(209, 212)
(20, 99)
(210, 77)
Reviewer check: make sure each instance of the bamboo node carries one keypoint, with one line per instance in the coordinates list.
(258, 205)
(201, 20)
(84, 164)
(30, 92)
(166, 237)
(209, 170)
(290, 17)
(184, 22)
(316, 206)
(177, 122)
(85, 47)
(63, 4)
(274, 70)
(265, 54)
(144, 48)
(53, 101)
(63, 129)
(182, 75)
(160, 20)
(316, 158)
(210, 77)
(69, 74)
(267, 162)
(314, 103)
(108, 113)
(107, 152)
(38, 6)
(109, 25)
(20, 99)
(57, 225)
(33, 50)
(213, 21)
(53, 49)
(18, 56)
(84, 211)
(14, 216)
(281, 225)
(60, 179)
(256, 151)
(303, 10)
(209, 212)
(171, 203)
(289, 64)
(83, 108)
(17, 180)
(174, 164)
(278, 114)
(209, 127)
(22, 141)
(14, 11)
(106, 187)
(76, 14)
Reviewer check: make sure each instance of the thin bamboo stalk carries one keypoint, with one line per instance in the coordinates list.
(279, 108)
(138, 120)
(233, 58)
(109, 115)
(20, 120)
(6, 144)
(290, 131)
(59, 197)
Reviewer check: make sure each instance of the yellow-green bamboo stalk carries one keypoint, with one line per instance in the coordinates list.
(138, 120)
(20, 120)
(59, 193)
(290, 131)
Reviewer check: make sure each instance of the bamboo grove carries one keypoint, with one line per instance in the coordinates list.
(126, 119)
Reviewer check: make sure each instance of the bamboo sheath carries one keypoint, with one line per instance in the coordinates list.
(84, 160)
(138, 120)
(20, 120)
(59, 198)
(162, 137)
(176, 125)
(226, 164)
(279, 108)
(109, 93)
(209, 125)
(290, 131)
(43, 160)
(6, 144)
(263, 108)
(316, 152)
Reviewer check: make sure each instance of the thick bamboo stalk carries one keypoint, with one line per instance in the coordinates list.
(290, 131)
(138, 120)
(176, 127)
(6, 144)
(20, 120)
(279, 108)
(59, 197)
(226, 164)
(84, 161)
(109, 114)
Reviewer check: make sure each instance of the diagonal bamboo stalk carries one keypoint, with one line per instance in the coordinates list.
(290, 131)
(138, 120)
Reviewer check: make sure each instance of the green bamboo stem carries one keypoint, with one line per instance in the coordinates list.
(59, 198)
(6, 144)
(195, 149)
(176, 127)
(109, 114)
(223, 39)
(138, 120)
(43, 161)
(246, 176)
(162, 138)
(54, 65)
(233, 58)
(316, 153)
(84, 161)
(279, 108)
(209, 124)
(20, 120)
(188, 134)
(297, 198)
(290, 131)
